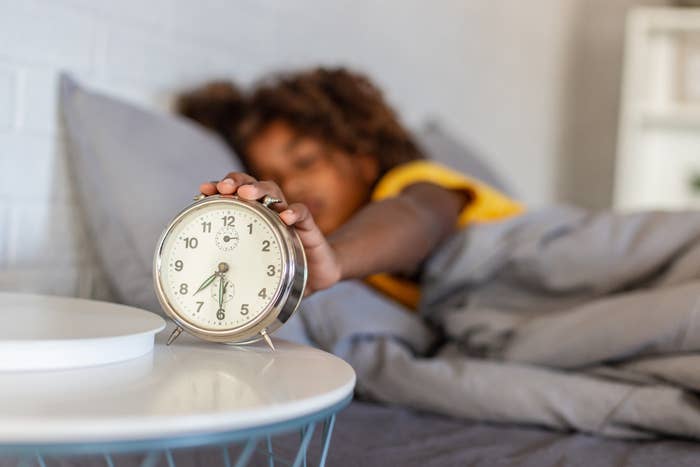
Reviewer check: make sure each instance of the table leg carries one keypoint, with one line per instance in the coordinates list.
(247, 452)
(270, 453)
(151, 459)
(327, 432)
(226, 456)
(169, 458)
(301, 453)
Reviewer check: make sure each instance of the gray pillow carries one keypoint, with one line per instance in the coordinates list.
(134, 171)
(441, 147)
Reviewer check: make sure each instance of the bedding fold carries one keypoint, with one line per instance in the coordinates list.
(559, 318)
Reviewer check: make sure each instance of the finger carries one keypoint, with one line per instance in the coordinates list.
(241, 178)
(208, 188)
(259, 190)
(297, 213)
(300, 217)
(226, 186)
(233, 180)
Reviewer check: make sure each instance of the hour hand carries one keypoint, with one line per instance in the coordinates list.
(207, 282)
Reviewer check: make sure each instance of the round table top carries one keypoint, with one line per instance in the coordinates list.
(190, 387)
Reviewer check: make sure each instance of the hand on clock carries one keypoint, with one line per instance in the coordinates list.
(323, 265)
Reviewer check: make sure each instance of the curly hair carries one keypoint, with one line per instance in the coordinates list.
(341, 108)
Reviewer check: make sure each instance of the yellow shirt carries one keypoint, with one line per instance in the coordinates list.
(487, 204)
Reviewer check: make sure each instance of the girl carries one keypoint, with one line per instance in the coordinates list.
(353, 182)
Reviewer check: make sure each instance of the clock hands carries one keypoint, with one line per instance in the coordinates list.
(207, 282)
(221, 293)
(222, 268)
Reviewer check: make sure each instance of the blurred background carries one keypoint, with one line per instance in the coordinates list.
(536, 88)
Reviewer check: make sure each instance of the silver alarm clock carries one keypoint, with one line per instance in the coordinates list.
(229, 270)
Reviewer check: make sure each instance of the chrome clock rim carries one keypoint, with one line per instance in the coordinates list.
(287, 296)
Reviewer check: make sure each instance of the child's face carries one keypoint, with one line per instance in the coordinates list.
(332, 183)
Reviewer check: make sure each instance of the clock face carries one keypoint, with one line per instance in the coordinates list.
(221, 266)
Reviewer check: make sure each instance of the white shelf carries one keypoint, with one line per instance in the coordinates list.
(659, 131)
(674, 19)
(678, 116)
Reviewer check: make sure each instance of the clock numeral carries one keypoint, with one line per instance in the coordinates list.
(220, 314)
(206, 227)
(250, 228)
(228, 220)
(199, 306)
(263, 293)
(244, 309)
(183, 289)
(179, 265)
(270, 270)
(266, 245)
(191, 242)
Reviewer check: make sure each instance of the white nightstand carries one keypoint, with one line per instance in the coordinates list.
(192, 393)
(658, 160)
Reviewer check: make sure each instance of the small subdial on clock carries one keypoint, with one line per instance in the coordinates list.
(227, 290)
(227, 238)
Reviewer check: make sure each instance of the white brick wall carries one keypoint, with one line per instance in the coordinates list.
(8, 96)
(36, 111)
(143, 51)
(493, 71)
(46, 33)
(4, 222)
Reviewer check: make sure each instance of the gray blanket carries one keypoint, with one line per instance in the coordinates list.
(560, 318)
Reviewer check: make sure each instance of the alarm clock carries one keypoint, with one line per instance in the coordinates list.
(229, 270)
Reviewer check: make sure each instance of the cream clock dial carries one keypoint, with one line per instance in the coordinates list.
(217, 287)
(229, 270)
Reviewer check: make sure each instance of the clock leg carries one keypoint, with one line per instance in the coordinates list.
(174, 335)
(266, 336)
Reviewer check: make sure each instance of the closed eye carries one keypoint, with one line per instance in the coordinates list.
(306, 161)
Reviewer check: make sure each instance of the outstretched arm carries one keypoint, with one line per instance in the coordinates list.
(395, 235)
(391, 236)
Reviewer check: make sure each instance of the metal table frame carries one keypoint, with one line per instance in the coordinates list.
(155, 449)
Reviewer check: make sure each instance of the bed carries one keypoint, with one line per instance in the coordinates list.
(113, 145)
(369, 435)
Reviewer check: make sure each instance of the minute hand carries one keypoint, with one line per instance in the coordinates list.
(206, 283)
(221, 292)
